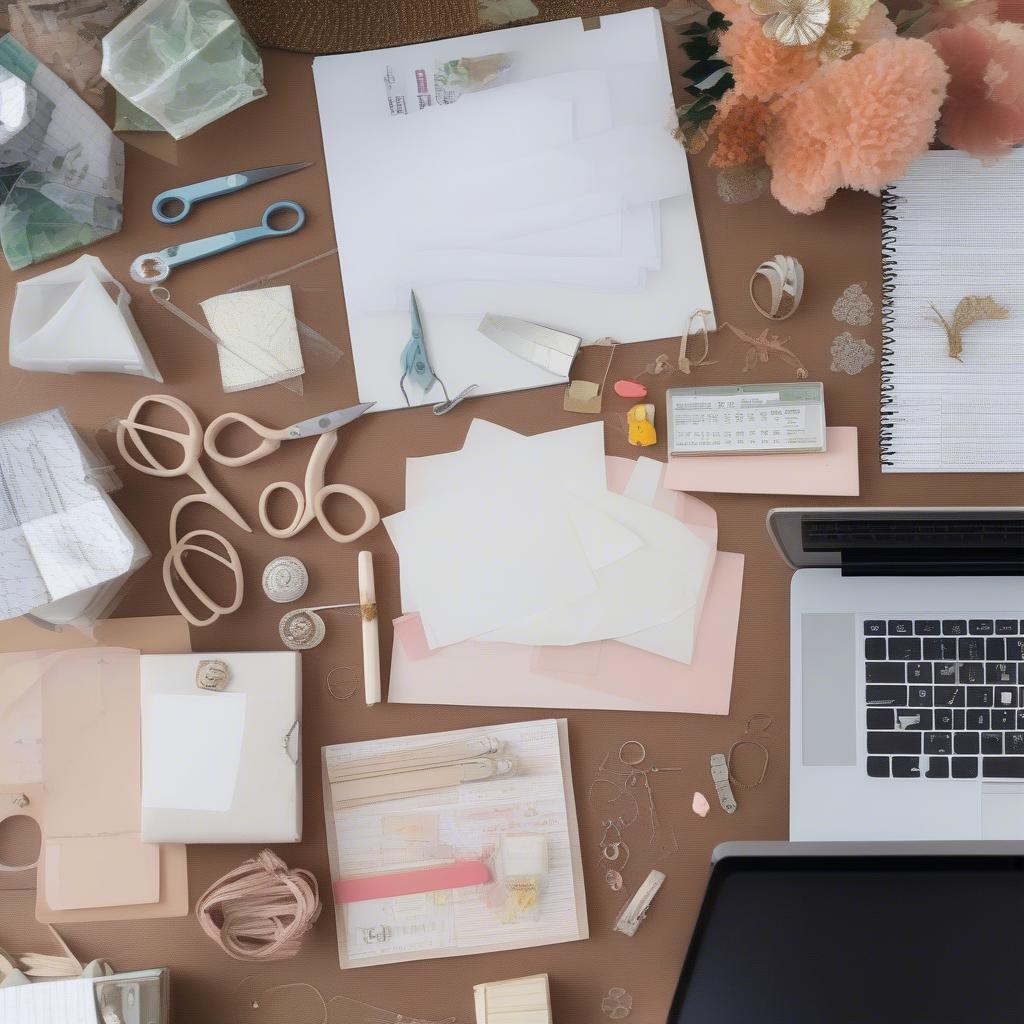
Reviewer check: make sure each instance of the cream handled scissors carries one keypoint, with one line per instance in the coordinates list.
(309, 502)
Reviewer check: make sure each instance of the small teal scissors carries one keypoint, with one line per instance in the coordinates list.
(154, 267)
(186, 195)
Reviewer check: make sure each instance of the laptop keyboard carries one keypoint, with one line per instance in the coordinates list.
(945, 698)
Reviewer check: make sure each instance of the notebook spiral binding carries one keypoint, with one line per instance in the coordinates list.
(891, 201)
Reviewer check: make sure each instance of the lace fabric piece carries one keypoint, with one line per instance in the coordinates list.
(739, 185)
(850, 355)
(854, 306)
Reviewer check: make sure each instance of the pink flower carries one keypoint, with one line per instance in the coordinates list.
(875, 27)
(984, 112)
(858, 123)
(763, 68)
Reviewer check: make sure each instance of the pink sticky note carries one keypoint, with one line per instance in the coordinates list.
(834, 471)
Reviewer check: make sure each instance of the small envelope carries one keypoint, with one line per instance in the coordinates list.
(76, 319)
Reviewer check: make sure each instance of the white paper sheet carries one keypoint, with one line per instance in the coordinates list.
(495, 219)
(70, 1001)
(192, 750)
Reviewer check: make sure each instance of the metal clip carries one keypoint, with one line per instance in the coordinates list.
(636, 910)
(720, 777)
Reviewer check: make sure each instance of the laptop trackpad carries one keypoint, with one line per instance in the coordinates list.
(828, 689)
(1002, 810)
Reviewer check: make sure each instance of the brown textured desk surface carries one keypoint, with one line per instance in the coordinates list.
(837, 248)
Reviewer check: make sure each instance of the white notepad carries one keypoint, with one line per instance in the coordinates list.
(953, 228)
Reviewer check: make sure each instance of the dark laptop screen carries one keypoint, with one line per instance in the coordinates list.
(873, 940)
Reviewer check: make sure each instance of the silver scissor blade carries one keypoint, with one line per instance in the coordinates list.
(328, 421)
(266, 173)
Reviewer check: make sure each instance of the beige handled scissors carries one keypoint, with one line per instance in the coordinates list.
(309, 502)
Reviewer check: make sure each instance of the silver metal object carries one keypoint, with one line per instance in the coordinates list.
(285, 579)
(720, 777)
(545, 347)
(636, 910)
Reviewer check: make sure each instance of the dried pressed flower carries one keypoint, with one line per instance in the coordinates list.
(968, 312)
(793, 22)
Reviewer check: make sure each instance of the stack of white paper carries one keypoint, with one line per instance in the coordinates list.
(519, 540)
(550, 190)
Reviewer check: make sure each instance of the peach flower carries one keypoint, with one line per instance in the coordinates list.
(762, 67)
(875, 27)
(858, 123)
(740, 127)
(984, 113)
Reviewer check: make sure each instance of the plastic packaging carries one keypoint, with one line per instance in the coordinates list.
(185, 63)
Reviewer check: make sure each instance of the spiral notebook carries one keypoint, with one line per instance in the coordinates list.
(953, 228)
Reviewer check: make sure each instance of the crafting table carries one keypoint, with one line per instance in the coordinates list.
(837, 248)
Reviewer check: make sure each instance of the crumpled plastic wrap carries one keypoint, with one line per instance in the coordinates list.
(61, 167)
(185, 63)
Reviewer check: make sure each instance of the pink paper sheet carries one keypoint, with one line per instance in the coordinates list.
(607, 676)
(834, 471)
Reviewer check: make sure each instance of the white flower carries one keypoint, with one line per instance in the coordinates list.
(793, 22)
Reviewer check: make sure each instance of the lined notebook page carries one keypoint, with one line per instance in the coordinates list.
(953, 228)
(54, 1002)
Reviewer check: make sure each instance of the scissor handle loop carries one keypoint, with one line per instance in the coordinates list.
(171, 195)
(370, 512)
(284, 204)
(267, 445)
(175, 560)
(191, 441)
(303, 514)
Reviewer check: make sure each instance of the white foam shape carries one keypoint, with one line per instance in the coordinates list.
(69, 321)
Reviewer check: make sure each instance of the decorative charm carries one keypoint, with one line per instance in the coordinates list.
(743, 184)
(302, 630)
(854, 306)
(641, 426)
(212, 675)
(285, 579)
(20, 800)
(613, 880)
(618, 1004)
(701, 805)
(969, 311)
(793, 22)
(765, 345)
(851, 355)
(785, 276)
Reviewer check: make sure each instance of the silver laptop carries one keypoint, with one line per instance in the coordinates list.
(907, 672)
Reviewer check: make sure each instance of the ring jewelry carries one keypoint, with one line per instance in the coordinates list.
(785, 276)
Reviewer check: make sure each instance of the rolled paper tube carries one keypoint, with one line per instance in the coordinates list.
(368, 614)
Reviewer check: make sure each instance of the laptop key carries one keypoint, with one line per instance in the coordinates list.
(1001, 672)
(928, 627)
(878, 767)
(894, 743)
(900, 627)
(874, 648)
(1013, 742)
(966, 743)
(943, 718)
(972, 673)
(1006, 627)
(886, 695)
(965, 767)
(1020, 719)
(991, 742)
(1002, 767)
(954, 627)
(979, 696)
(913, 718)
(939, 648)
(1015, 648)
(875, 627)
(969, 648)
(1003, 720)
(978, 720)
(906, 767)
(959, 721)
(919, 672)
(945, 671)
(1006, 697)
(920, 697)
(938, 743)
(938, 768)
(949, 696)
(995, 648)
(885, 672)
(981, 627)
(906, 648)
(881, 718)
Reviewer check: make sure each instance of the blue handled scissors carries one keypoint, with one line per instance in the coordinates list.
(154, 267)
(186, 195)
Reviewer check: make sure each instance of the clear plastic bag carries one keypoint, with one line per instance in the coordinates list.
(185, 63)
